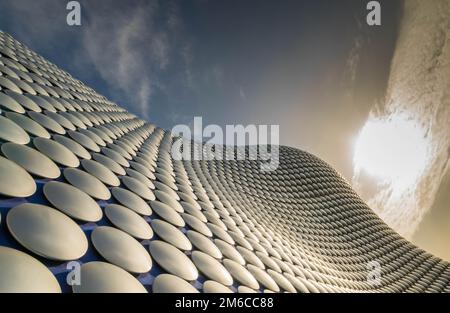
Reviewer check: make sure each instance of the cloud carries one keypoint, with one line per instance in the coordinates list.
(353, 60)
(242, 93)
(131, 46)
(188, 58)
(137, 49)
(418, 88)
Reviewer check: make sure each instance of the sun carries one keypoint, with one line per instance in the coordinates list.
(394, 150)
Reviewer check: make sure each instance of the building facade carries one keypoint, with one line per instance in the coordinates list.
(91, 200)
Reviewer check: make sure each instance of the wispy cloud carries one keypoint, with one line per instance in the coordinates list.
(242, 93)
(137, 48)
(353, 59)
(132, 46)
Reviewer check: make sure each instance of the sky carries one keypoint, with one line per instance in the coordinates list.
(305, 65)
(313, 67)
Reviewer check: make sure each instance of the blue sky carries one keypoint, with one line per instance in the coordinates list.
(313, 67)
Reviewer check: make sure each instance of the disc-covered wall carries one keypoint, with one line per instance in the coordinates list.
(83, 180)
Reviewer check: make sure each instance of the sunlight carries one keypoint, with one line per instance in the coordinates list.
(394, 150)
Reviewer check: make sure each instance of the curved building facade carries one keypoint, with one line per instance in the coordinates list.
(92, 201)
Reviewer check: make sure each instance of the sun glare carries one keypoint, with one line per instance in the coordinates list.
(394, 150)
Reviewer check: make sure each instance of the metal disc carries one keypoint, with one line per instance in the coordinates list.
(46, 232)
(87, 183)
(171, 234)
(102, 277)
(166, 283)
(10, 131)
(14, 180)
(56, 151)
(173, 260)
(211, 268)
(121, 249)
(131, 200)
(72, 201)
(128, 221)
(31, 160)
(21, 273)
